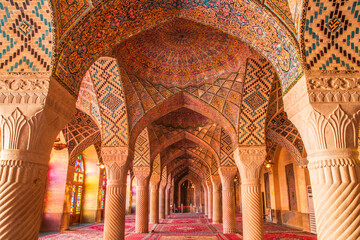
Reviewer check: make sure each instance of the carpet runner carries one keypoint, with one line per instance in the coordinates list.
(186, 226)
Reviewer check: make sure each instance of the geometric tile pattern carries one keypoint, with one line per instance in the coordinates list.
(26, 32)
(281, 10)
(81, 48)
(331, 35)
(156, 170)
(224, 95)
(176, 53)
(80, 133)
(270, 150)
(278, 122)
(164, 173)
(142, 150)
(87, 99)
(189, 150)
(107, 83)
(258, 80)
(97, 146)
(227, 150)
(209, 133)
(67, 13)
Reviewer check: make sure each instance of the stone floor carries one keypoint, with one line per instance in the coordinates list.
(185, 226)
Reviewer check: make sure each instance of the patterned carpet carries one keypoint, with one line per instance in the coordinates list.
(187, 226)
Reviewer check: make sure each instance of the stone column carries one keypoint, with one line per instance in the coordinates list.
(210, 199)
(167, 200)
(31, 117)
(250, 160)
(162, 199)
(116, 164)
(227, 175)
(205, 199)
(154, 199)
(142, 176)
(217, 204)
(325, 108)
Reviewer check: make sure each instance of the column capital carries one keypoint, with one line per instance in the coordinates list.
(31, 125)
(116, 163)
(155, 179)
(227, 175)
(142, 175)
(216, 182)
(249, 160)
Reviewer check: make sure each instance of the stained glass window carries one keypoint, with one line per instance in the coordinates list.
(77, 189)
(73, 194)
(103, 190)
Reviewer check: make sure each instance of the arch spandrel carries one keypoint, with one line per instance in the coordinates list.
(81, 48)
(107, 82)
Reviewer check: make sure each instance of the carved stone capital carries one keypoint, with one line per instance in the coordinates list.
(115, 154)
(336, 130)
(142, 175)
(154, 182)
(216, 182)
(28, 128)
(227, 175)
(116, 172)
(250, 160)
(331, 86)
(24, 88)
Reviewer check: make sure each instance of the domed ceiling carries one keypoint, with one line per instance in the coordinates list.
(180, 53)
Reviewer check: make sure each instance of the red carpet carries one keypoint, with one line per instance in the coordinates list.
(186, 226)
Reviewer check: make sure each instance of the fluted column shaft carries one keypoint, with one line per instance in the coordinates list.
(210, 199)
(115, 160)
(205, 199)
(227, 175)
(250, 160)
(154, 199)
(167, 201)
(162, 199)
(142, 176)
(217, 199)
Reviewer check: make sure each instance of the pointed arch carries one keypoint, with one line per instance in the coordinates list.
(188, 136)
(112, 25)
(177, 101)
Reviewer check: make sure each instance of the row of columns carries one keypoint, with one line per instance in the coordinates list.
(330, 135)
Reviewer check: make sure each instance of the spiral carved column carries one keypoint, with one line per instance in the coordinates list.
(162, 199)
(115, 160)
(142, 176)
(335, 182)
(21, 194)
(329, 128)
(227, 175)
(154, 199)
(217, 208)
(250, 160)
(210, 199)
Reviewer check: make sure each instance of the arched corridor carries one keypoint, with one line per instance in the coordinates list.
(124, 118)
